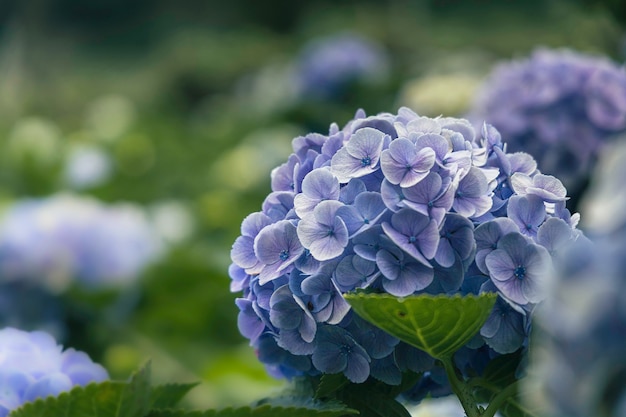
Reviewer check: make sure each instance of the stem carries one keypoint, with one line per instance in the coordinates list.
(499, 399)
(462, 390)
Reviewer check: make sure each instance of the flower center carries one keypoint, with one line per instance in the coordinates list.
(366, 161)
(345, 349)
(412, 239)
(520, 272)
(284, 255)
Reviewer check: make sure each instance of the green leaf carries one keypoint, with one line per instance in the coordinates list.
(105, 399)
(266, 410)
(498, 375)
(167, 396)
(371, 402)
(330, 384)
(438, 325)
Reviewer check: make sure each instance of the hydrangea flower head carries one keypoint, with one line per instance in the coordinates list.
(33, 366)
(53, 240)
(559, 105)
(398, 204)
(326, 66)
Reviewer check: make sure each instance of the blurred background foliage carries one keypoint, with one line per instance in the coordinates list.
(190, 104)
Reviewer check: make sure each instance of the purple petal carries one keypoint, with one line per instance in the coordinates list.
(278, 243)
(292, 341)
(445, 253)
(528, 212)
(434, 141)
(351, 190)
(358, 368)
(319, 185)
(554, 234)
(500, 265)
(242, 252)
(366, 142)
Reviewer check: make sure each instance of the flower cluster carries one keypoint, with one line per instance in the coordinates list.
(54, 240)
(560, 106)
(33, 366)
(326, 66)
(580, 364)
(398, 204)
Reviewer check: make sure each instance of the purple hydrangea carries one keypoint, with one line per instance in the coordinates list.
(398, 204)
(52, 241)
(327, 66)
(559, 105)
(33, 366)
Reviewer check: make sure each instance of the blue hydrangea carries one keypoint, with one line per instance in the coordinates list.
(53, 241)
(33, 366)
(580, 364)
(561, 106)
(398, 204)
(327, 66)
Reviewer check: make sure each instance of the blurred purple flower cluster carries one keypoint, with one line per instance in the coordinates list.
(33, 366)
(398, 204)
(560, 106)
(326, 66)
(56, 241)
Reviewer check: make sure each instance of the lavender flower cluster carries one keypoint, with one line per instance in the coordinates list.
(398, 204)
(52, 241)
(33, 366)
(559, 105)
(326, 66)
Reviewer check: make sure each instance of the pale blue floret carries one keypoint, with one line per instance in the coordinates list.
(33, 366)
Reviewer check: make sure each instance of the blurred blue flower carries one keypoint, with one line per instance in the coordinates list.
(580, 367)
(33, 366)
(560, 106)
(327, 66)
(53, 241)
(397, 204)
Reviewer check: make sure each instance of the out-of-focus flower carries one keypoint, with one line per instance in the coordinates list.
(87, 166)
(36, 139)
(560, 106)
(398, 204)
(580, 367)
(33, 366)
(172, 220)
(54, 240)
(438, 94)
(327, 66)
(110, 116)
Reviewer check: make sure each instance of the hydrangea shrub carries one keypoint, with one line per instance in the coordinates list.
(326, 66)
(55, 240)
(33, 366)
(561, 106)
(398, 204)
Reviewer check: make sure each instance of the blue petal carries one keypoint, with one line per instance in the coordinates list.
(358, 368)
(528, 212)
